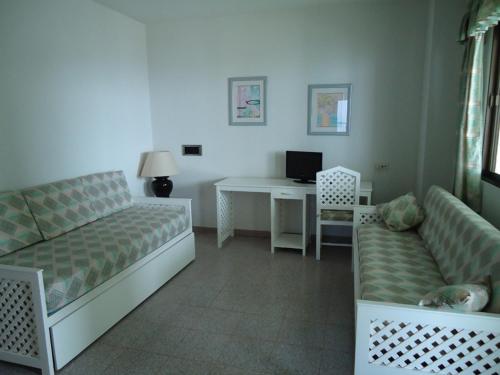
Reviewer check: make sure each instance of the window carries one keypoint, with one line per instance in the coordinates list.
(491, 171)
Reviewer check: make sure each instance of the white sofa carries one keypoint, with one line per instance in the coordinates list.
(394, 270)
(99, 255)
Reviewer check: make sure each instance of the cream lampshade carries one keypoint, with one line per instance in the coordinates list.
(160, 165)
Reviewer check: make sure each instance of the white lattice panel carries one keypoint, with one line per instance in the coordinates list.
(336, 188)
(433, 348)
(18, 328)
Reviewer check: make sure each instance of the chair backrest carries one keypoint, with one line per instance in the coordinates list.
(337, 188)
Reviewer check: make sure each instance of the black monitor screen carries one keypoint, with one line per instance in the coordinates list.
(303, 165)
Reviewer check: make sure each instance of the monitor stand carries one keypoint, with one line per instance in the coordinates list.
(305, 182)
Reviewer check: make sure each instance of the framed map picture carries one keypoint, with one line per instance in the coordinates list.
(329, 108)
(247, 100)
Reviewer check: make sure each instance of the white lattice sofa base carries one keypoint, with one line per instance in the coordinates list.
(30, 337)
(395, 339)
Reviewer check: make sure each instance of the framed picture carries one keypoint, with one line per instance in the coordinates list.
(247, 100)
(329, 108)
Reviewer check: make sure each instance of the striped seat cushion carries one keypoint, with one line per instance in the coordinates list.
(395, 266)
(336, 215)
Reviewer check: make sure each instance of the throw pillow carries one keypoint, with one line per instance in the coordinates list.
(108, 192)
(401, 213)
(59, 207)
(17, 226)
(464, 297)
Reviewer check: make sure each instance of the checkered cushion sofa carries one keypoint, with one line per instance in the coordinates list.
(83, 232)
(78, 255)
(394, 270)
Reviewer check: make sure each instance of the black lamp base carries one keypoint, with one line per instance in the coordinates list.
(162, 187)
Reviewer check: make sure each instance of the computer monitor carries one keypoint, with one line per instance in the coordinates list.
(303, 165)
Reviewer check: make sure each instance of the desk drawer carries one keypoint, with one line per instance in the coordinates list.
(288, 194)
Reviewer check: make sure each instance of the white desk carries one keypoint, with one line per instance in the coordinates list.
(278, 189)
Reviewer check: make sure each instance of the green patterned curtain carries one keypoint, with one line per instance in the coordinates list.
(488, 15)
(469, 163)
(482, 15)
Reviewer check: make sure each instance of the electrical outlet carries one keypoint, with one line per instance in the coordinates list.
(382, 165)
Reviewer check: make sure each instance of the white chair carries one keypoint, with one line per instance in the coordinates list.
(337, 192)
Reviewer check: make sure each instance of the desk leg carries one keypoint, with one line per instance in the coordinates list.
(274, 222)
(368, 197)
(304, 226)
(225, 220)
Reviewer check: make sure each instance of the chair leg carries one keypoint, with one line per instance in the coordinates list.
(318, 240)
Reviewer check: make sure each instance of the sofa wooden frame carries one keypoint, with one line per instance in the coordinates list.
(392, 338)
(31, 337)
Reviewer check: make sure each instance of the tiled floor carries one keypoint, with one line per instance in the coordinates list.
(238, 310)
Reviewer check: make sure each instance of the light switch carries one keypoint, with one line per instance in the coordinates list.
(191, 150)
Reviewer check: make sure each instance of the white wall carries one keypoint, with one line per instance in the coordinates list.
(74, 95)
(377, 46)
(441, 122)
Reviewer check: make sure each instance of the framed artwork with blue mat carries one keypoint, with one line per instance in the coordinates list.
(247, 101)
(329, 109)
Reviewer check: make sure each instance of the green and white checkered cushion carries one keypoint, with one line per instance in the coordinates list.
(59, 207)
(17, 226)
(395, 266)
(82, 259)
(401, 213)
(466, 247)
(108, 192)
(336, 215)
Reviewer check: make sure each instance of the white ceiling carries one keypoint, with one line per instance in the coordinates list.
(148, 11)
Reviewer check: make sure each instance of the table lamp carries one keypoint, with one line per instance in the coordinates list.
(160, 165)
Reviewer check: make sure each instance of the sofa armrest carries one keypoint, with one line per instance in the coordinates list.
(25, 335)
(365, 215)
(163, 201)
(186, 202)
